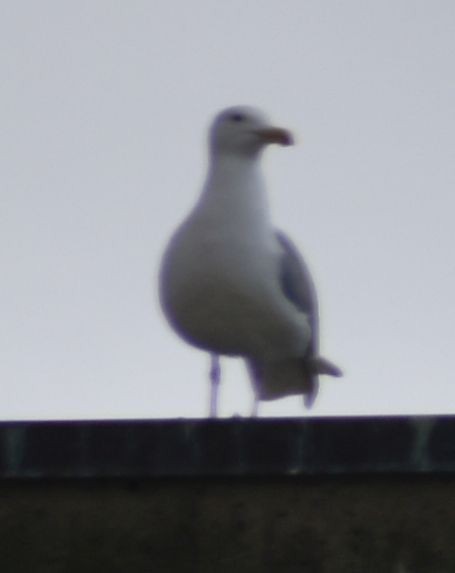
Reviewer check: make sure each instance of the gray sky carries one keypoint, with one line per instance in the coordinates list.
(104, 108)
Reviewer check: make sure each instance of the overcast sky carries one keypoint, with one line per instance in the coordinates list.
(104, 108)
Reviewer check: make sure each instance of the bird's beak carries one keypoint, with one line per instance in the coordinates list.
(275, 135)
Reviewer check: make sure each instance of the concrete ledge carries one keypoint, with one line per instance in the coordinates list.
(355, 495)
(233, 447)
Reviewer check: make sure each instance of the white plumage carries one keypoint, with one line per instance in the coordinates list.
(230, 284)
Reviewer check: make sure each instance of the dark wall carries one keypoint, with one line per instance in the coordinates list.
(371, 495)
(398, 525)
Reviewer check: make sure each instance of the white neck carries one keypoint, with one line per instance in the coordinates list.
(234, 192)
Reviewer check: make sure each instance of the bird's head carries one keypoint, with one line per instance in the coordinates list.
(244, 131)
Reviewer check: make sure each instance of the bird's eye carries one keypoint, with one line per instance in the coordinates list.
(237, 117)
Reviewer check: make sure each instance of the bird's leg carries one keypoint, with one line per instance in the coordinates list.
(215, 378)
(255, 408)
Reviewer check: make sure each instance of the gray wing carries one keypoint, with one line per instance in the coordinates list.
(292, 376)
(297, 285)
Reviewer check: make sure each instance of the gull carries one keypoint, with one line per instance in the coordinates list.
(231, 284)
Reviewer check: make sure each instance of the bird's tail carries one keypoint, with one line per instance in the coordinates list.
(289, 377)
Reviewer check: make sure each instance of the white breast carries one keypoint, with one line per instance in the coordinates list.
(220, 279)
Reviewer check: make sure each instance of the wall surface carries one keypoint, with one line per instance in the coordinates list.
(400, 525)
(315, 496)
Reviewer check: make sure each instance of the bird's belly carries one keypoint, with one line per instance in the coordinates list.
(233, 309)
